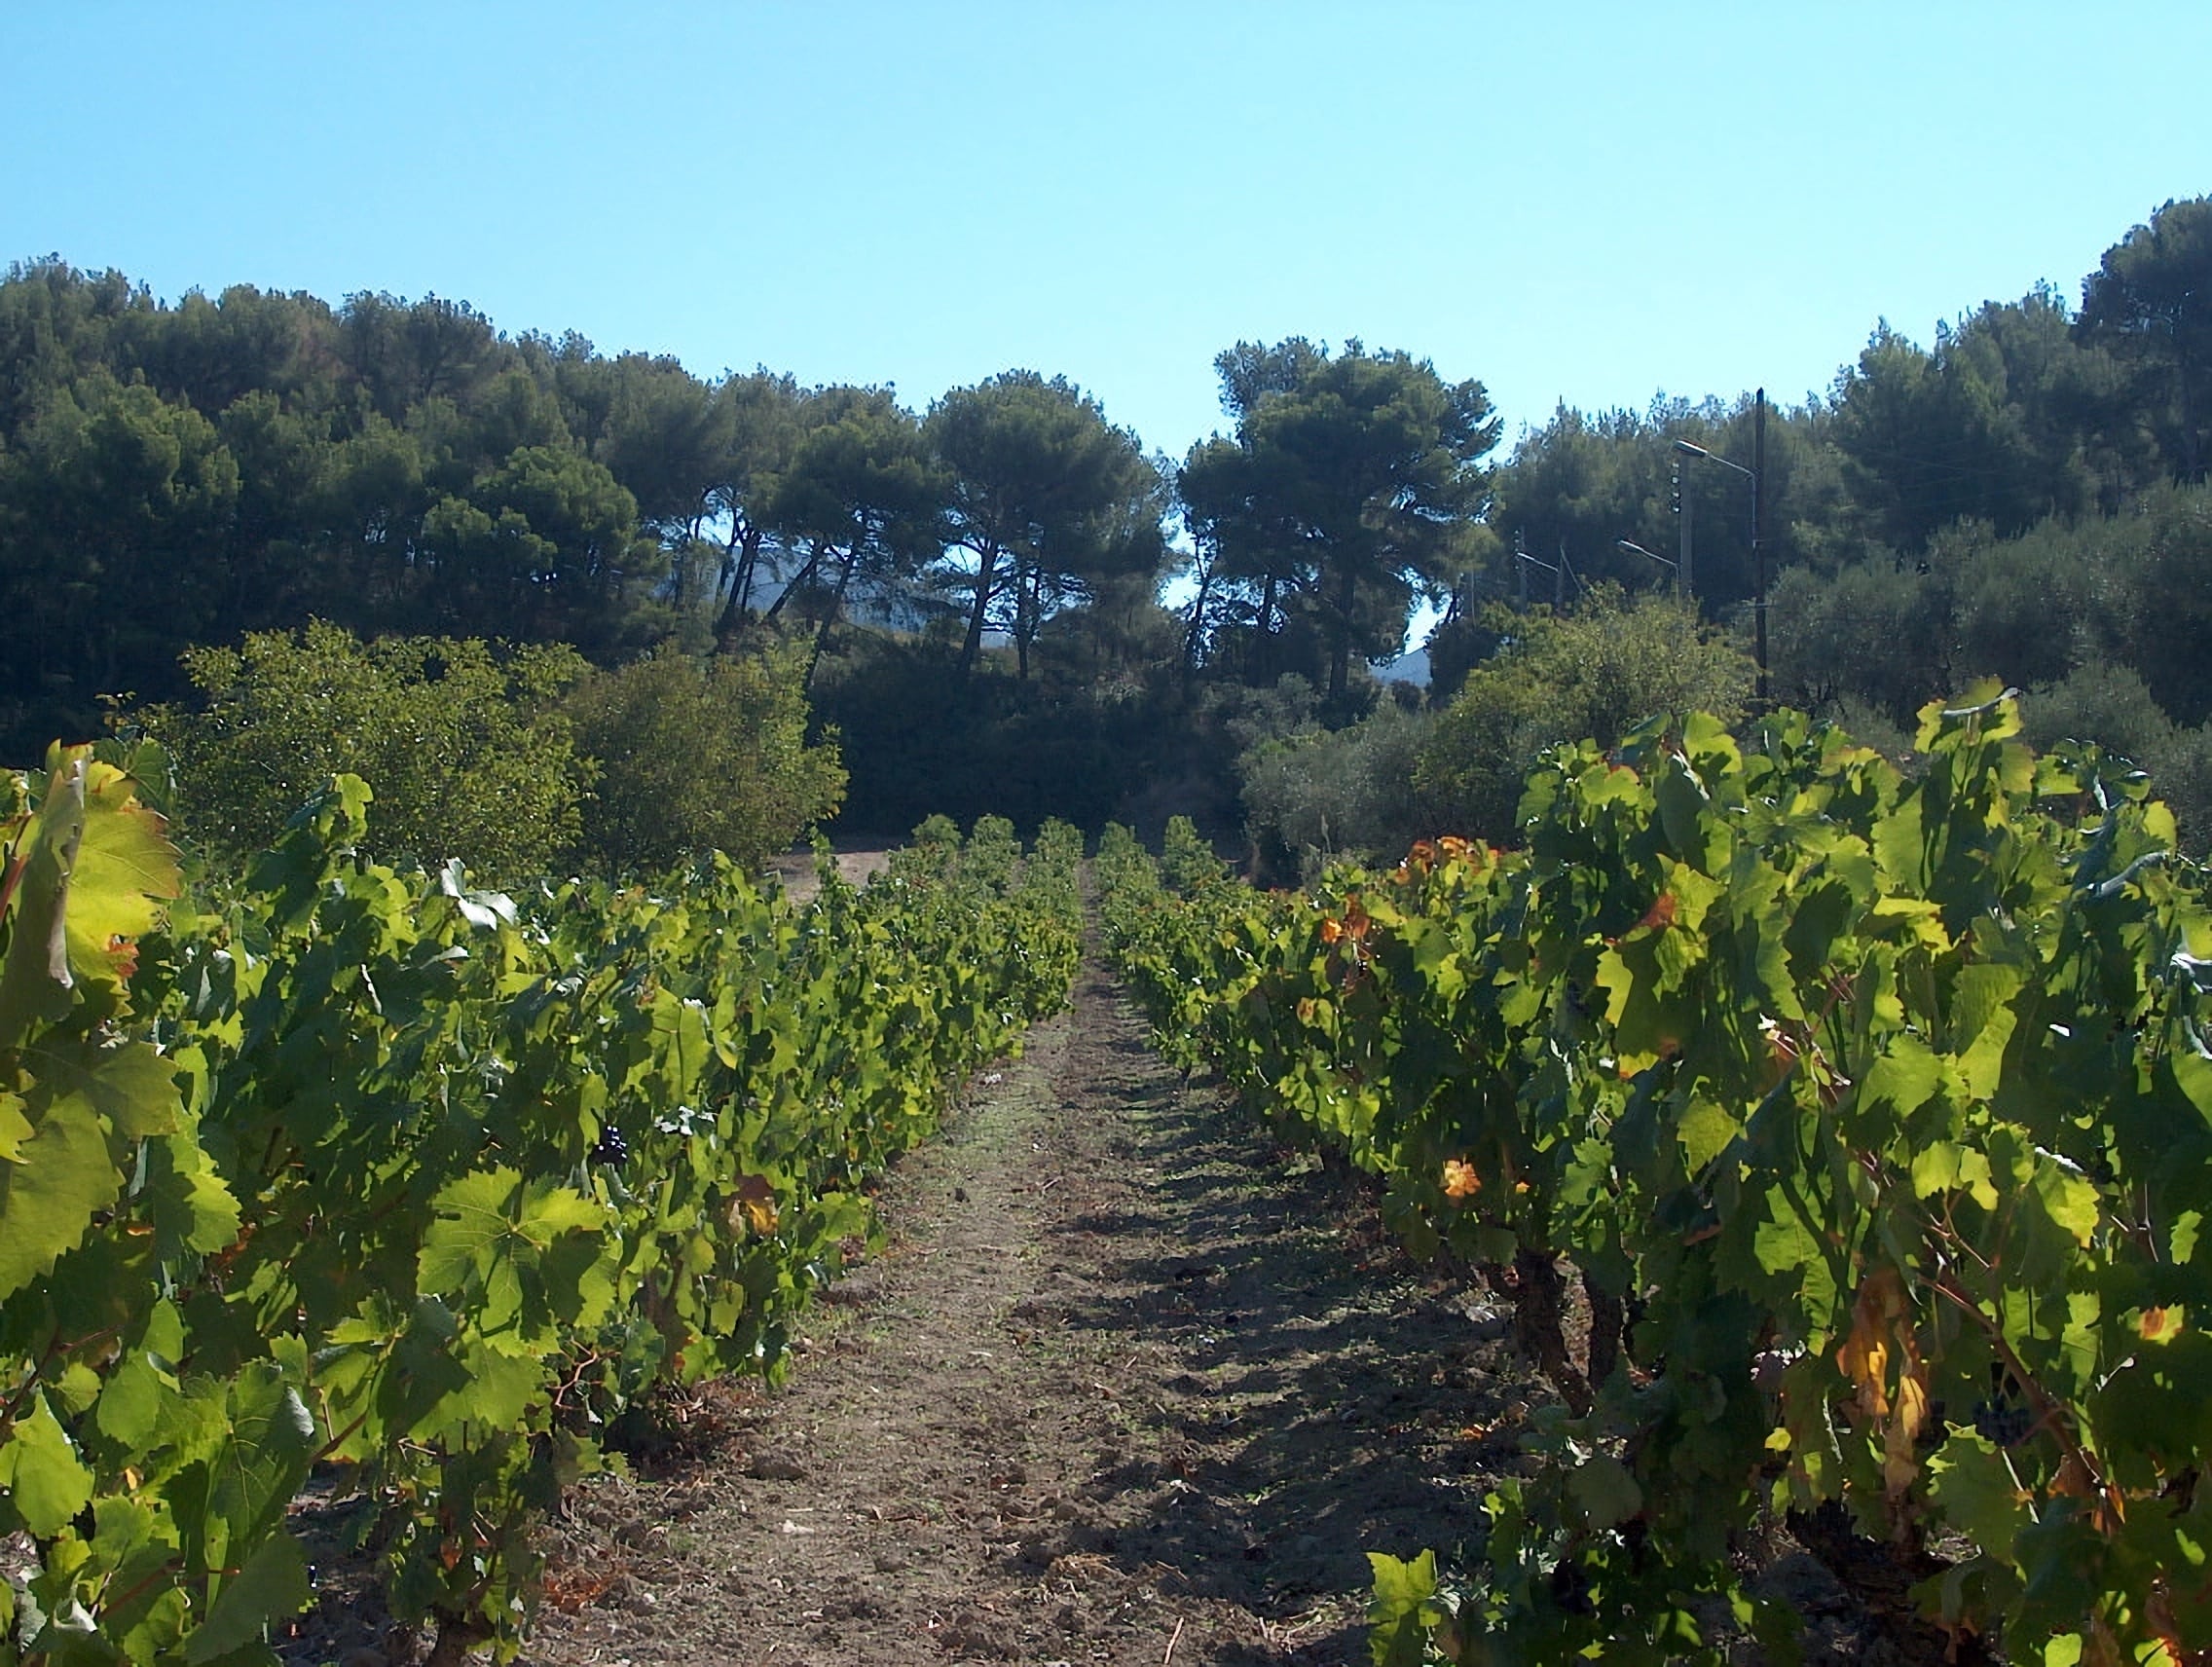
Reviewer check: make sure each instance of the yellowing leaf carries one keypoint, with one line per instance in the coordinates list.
(1900, 1463)
(2161, 1325)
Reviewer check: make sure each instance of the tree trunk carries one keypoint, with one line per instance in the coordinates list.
(1608, 1320)
(1538, 1301)
(805, 576)
(739, 560)
(986, 585)
(1261, 659)
(845, 567)
(1028, 604)
(1339, 651)
(1193, 637)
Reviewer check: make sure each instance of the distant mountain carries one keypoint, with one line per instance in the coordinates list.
(1407, 668)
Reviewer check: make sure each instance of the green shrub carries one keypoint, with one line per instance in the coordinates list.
(462, 742)
(701, 753)
(1593, 674)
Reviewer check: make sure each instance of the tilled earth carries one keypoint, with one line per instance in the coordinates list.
(1127, 1385)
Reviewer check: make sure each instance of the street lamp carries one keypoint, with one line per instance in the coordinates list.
(1757, 471)
(1560, 573)
(1635, 549)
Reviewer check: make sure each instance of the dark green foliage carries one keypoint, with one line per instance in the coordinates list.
(919, 736)
(2022, 496)
(1048, 502)
(1353, 484)
(2150, 300)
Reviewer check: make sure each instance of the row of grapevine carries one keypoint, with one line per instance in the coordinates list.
(415, 1188)
(1873, 1111)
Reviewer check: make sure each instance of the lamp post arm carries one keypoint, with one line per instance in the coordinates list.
(1689, 449)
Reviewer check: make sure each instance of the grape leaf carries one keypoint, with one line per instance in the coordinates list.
(40, 1471)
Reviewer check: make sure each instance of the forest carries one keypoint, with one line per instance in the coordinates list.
(221, 515)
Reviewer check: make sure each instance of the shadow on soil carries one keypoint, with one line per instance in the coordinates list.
(1316, 1392)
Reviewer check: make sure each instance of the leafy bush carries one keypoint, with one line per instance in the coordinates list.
(1344, 793)
(461, 740)
(1594, 672)
(701, 753)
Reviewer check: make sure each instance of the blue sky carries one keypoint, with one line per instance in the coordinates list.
(1588, 204)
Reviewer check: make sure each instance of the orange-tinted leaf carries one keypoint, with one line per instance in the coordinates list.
(754, 1206)
(1459, 1179)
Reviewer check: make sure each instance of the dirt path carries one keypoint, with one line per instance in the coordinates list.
(1127, 1386)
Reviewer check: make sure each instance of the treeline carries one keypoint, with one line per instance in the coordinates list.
(973, 592)
(2025, 499)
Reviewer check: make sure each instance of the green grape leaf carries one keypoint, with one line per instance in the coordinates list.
(1604, 1491)
(1705, 1130)
(40, 1473)
(61, 1176)
(131, 1403)
(1983, 1021)
(1976, 1489)
(190, 1205)
(131, 1086)
(1905, 1077)
(15, 1129)
(499, 1234)
(35, 982)
(1403, 1609)
(272, 1584)
(2068, 1199)
(1944, 1165)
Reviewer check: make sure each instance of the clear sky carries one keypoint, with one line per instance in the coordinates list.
(1580, 203)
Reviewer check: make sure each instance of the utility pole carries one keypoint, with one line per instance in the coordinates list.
(1520, 572)
(1758, 534)
(1682, 509)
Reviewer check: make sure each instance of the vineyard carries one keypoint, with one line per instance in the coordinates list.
(1833, 1139)
(377, 1177)
(1869, 1113)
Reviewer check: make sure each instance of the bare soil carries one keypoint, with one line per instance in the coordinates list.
(858, 862)
(1127, 1385)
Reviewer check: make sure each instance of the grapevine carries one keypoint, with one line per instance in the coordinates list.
(1875, 1105)
(423, 1186)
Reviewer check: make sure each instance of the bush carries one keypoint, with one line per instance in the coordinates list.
(1345, 792)
(701, 753)
(460, 740)
(1593, 674)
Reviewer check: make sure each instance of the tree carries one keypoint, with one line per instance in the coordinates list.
(760, 425)
(119, 508)
(1048, 500)
(863, 496)
(1358, 483)
(546, 543)
(2151, 301)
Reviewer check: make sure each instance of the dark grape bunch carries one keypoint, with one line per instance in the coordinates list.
(611, 1148)
(2004, 1418)
(1571, 1587)
(2004, 1423)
